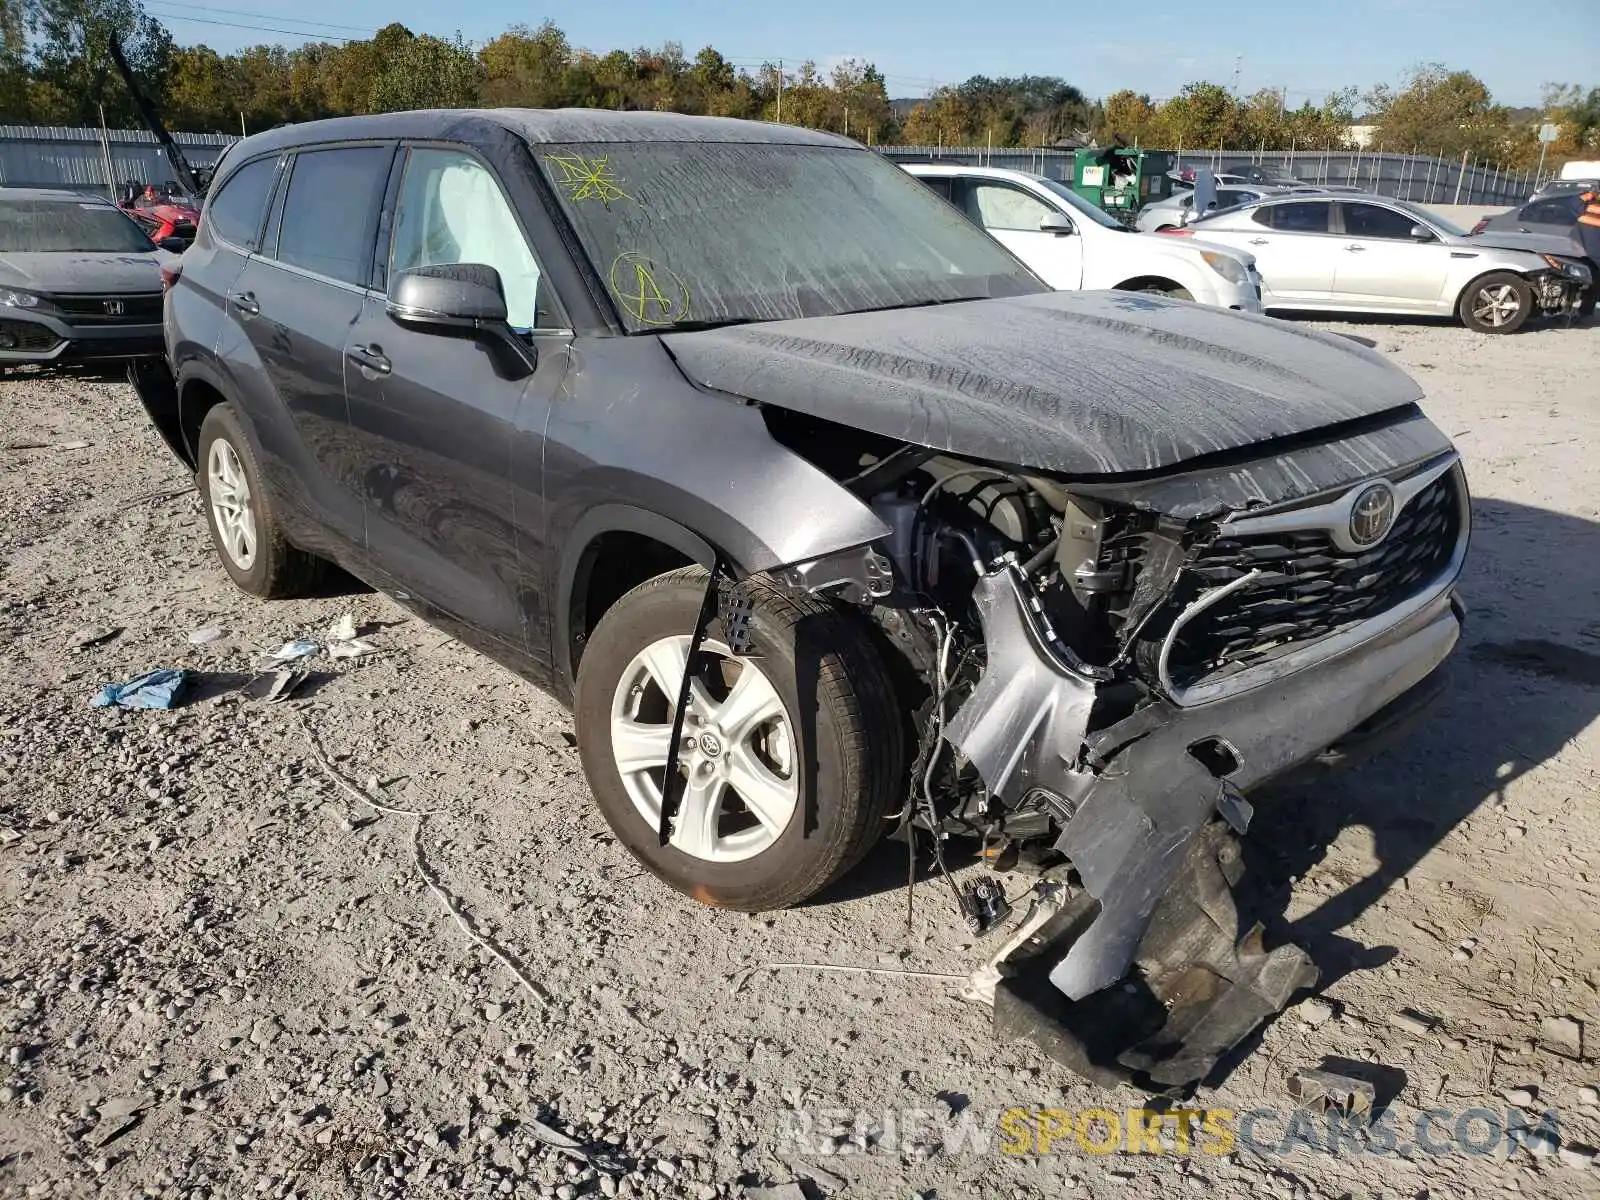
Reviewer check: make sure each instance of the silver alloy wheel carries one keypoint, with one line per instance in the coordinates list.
(1496, 306)
(228, 489)
(737, 758)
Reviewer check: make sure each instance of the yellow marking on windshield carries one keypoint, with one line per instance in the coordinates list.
(635, 284)
(588, 178)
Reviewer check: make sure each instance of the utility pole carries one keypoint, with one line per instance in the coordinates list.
(780, 90)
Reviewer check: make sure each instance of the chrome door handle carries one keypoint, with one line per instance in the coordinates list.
(245, 302)
(369, 359)
(1354, 249)
(1258, 241)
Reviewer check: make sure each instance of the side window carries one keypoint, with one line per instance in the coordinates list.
(1303, 217)
(1000, 207)
(1563, 211)
(328, 213)
(1231, 197)
(939, 184)
(451, 211)
(1375, 221)
(235, 211)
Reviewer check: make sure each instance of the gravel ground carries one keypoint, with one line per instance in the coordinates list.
(222, 975)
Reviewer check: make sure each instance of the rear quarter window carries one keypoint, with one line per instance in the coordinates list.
(235, 211)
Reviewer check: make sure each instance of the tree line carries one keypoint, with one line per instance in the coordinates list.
(54, 69)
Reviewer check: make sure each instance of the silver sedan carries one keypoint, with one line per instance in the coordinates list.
(1371, 254)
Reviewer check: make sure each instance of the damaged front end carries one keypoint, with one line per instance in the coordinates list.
(1113, 665)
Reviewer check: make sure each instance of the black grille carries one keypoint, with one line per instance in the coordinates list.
(1309, 588)
(25, 335)
(91, 310)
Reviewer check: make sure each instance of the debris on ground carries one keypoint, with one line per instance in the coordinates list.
(85, 639)
(1331, 1091)
(205, 636)
(1314, 1012)
(1413, 1022)
(156, 689)
(298, 648)
(1563, 1036)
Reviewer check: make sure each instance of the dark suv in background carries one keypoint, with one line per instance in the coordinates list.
(825, 516)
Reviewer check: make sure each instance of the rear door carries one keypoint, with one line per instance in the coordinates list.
(447, 446)
(1295, 249)
(1382, 266)
(1011, 215)
(293, 307)
(234, 216)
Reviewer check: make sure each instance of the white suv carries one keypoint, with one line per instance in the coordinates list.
(1071, 244)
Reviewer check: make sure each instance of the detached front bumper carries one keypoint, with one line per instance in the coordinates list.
(27, 336)
(1132, 801)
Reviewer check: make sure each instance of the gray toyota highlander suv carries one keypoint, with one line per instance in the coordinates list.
(829, 520)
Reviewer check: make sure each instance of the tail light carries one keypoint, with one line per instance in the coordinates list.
(1175, 232)
(1483, 223)
(169, 276)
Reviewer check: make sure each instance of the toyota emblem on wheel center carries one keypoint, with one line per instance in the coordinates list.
(1372, 514)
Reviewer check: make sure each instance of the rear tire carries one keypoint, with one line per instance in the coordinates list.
(1500, 302)
(822, 764)
(245, 530)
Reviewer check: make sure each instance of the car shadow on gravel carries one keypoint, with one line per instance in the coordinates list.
(1524, 682)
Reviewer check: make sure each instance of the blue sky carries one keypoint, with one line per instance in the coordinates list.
(1306, 46)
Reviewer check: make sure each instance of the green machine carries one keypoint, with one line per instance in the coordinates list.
(1120, 179)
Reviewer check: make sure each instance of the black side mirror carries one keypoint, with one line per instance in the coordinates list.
(175, 244)
(461, 300)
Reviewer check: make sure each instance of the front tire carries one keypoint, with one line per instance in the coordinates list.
(1500, 302)
(791, 756)
(245, 531)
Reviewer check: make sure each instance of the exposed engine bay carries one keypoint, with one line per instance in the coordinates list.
(1105, 668)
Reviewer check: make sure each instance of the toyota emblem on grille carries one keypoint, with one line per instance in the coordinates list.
(113, 308)
(1372, 514)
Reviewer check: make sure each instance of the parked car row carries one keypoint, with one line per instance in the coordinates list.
(1373, 254)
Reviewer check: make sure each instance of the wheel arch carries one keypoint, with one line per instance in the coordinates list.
(1140, 282)
(199, 391)
(611, 550)
(1528, 277)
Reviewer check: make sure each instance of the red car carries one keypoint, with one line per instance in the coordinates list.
(162, 214)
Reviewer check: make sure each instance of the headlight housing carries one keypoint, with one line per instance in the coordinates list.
(16, 299)
(1227, 266)
(1572, 270)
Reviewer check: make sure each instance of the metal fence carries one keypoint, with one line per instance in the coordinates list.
(79, 158)
(1422, 178)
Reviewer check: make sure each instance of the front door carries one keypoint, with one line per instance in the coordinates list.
(1011, 215)
(449, 445)
(1382, 266)
(295, 303)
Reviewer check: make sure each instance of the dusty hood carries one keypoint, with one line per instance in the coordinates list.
(75, 272)
(1077, 382)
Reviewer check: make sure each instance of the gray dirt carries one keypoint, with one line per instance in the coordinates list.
(223, 976)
